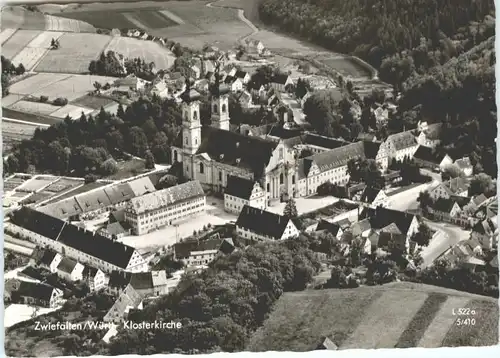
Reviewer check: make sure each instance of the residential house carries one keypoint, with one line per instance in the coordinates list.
(149, 284)
(39, 294)
(131, 82)
(465, 166)
(389, 241)
(195, 71)
(256, 90)
(331, 228)
(128, 299)
(197, 252)
(118, 281)
(430, 158)
(240, 192)
(280, 82)
(96, 279)
(486, 232)
(115, 230)
(74, 242)
(254, 46)
(259, 224)
(370, 241)
(234, 83)
(455, 186)
(245, 99)
(445, 209)
(208, 66)
(429, 136)
(70, 270)
(45, 258)
(243, 76)
(161, 89)
(154, 210)
(360, 227)
(381, 114)
(375, 197)
(400, 145)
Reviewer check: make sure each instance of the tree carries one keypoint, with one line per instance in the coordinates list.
(5, 85)
(109, 166)
(452, 171)
(20, 69)
(423, 236)
(302, 87)
(482, 184)
(150, 160)
(290, 210)
(425, 200)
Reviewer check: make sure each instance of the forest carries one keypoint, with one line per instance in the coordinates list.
(87, 146)
(438, 54)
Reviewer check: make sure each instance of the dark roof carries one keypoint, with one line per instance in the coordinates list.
(119, 193)
(47, 257)
(190, 95)
(89, 272)
(387, 239)
(429, 155)
(227, 246)
(43, 224)
(230, 79)
(184, 249)
(67, 265)
(262, 222)
(119, 279)
(280, 78)
(93, 200)
(231, 147)
(36, 290)
(381, 217)
(280, 132)
(240, 74)
(461, 200)
(239, 187)
(369, 194)
(322, 141)
(332, 228)
(141, 280)
(117, 216)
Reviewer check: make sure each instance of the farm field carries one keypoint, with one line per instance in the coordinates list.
(36, 184)
(123, 19)
(72, 87)
(250, 7)
(344, 65)
(63, 184)
(72, 111)
(17, 42)
(75, 53)
(11, 99)
(19, 18)
(13, 182)
(6, 34)
(37, 82)
(13, 133)
(34, 107)
(147, 50)
(30, 117)
(401, 313)
(94, 102)
(35, 50)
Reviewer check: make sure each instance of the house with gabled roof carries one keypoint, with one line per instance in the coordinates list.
(332, 228)
(465, 166)
(39, 294)
(429, 136)
(96, 279)
(70, 270)
(243, 76)
(400, 145)
(428, 157)
(234, 83)
(128, 299)
(280, 82)
(445, 209)
(486, 232)
(258, 224)
(455, 186)
(200, 252)
(45, 258)
(242, 191)
(374, 196)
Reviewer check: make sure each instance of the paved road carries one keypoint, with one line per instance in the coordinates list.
(448, 235)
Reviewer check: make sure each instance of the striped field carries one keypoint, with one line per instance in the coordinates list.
(17, 42)
(36, 49)
(399, 315)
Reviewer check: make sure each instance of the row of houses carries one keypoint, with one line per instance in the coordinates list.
(83, 246)
(32, 293)
(470, 253)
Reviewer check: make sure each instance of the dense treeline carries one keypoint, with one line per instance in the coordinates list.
(8, 70)
(86, 146)
(223, 305)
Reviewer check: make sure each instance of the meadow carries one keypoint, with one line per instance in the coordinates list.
(36, 49)
(13, 133)
(75, 53)
(34, 107)
(94, 102)
(394, 315)
(6, 34)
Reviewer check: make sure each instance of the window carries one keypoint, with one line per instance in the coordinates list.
(187, 169)
(268, 188)
(196, 141)
(202, 169)
(220, 176)
(281, 153)
(281, 178)
(186, 140)
(224, 108)
(293, 179)
(215, 108)
(195, 115)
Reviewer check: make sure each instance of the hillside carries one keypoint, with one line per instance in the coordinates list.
(405, 315)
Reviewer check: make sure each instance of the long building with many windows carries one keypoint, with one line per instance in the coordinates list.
(163, 207)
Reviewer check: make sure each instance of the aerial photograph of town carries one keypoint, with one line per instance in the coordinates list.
(198, 176)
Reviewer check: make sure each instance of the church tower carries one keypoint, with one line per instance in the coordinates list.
(220, 102)
(191, 127)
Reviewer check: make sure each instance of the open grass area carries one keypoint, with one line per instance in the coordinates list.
(300, 319)
(421, 321)
(94, 102)
(400, 313)
(250, 7)
(483, 332)
(34, 107)
(128, 168)
(147, 50)
(36, 49)
(75, 53)
(6, 34)
(13, 133)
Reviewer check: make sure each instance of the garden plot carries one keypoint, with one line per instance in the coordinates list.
(36, 83)
(36, 184)
(17, 42)
(72, 87)
(75, 53)
(63, 184)
(34, 107)
(146, 50)
(6, 34)
(13, 182)
(72, 111)
(94, 102)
